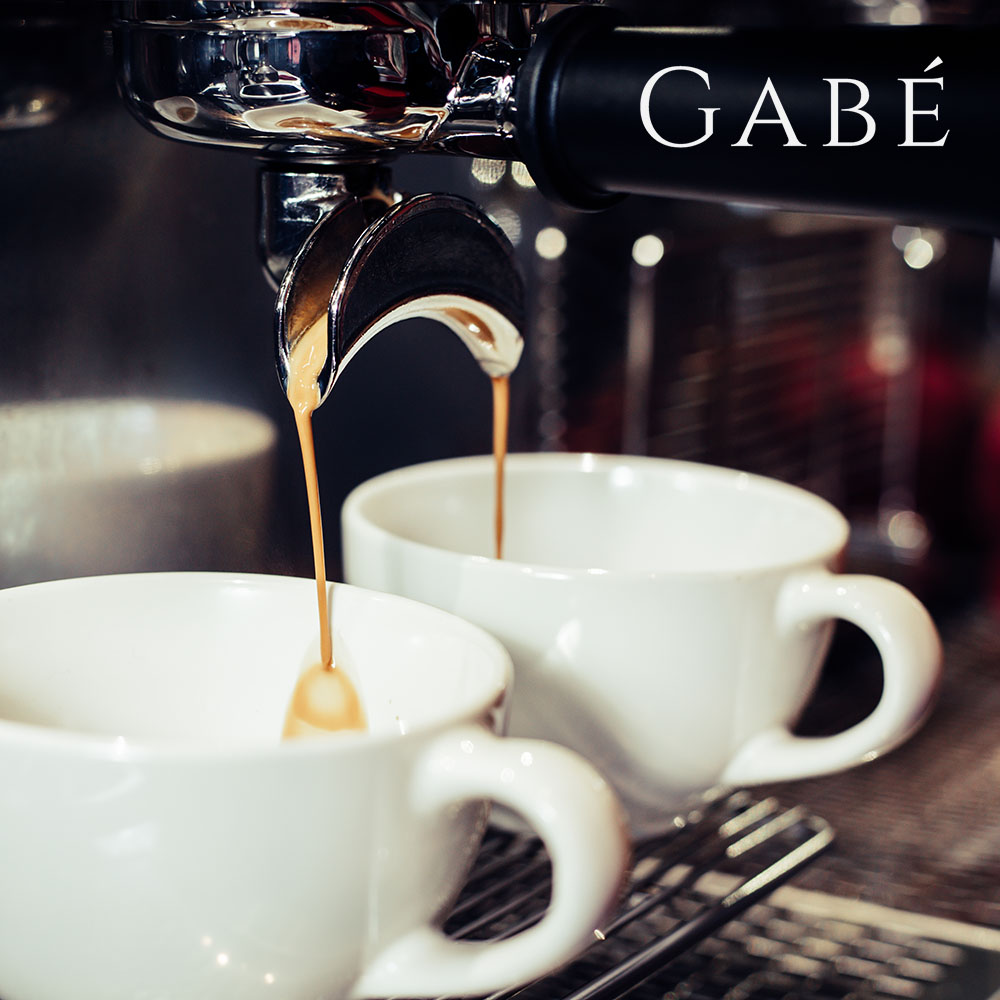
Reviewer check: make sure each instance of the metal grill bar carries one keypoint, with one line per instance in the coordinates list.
(665, 909)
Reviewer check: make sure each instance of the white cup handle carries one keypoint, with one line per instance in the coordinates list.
(908, 643)
(579, 820)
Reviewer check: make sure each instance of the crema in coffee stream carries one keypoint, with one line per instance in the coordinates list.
(324, 698)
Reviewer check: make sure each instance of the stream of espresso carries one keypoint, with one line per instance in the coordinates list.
(501, 418)
(324, 698)
(475, 329)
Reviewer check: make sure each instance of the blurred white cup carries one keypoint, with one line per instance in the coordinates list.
(93, 486)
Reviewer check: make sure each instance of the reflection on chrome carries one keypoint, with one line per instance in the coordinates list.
(326, 81)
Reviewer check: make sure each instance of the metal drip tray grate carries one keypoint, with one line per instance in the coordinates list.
(683, 886)
(705, 916)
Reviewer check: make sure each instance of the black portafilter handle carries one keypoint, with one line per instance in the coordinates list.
(605, 109)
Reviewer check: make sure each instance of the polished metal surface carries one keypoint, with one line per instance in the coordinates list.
(291, 203)
(324, 93)
(412, 261)
(713, 866)
(325, 82)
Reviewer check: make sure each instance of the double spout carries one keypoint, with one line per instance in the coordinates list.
(325, 94)
(373, 261)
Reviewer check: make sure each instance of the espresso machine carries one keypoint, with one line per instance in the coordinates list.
(326, 95)
(713, 254)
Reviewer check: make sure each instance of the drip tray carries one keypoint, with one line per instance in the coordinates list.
(706, 916)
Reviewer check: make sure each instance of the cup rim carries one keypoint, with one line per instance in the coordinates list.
(104, 746)
(353, 514)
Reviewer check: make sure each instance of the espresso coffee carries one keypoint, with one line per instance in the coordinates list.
(472, 322)
(501, 415)
(324, 698)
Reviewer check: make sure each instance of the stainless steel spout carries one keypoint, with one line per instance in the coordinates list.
(434, 256)
(293, 200)
(325, 93)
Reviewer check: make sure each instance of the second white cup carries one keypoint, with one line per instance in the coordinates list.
(667, 620)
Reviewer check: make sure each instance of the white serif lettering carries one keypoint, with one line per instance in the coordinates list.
(782, 119)
(836, 109)
(911, 111)
(646, 97)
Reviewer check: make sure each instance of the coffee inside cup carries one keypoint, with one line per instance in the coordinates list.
(119, 667)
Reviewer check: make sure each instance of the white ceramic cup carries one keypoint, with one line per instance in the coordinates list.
(97, 486)
(157, 840)
(668, 620)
